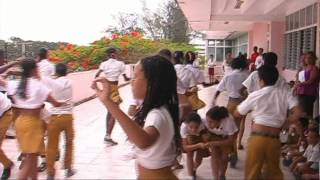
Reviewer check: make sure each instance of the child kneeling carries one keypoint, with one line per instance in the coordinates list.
(191, 132)
(222, 131)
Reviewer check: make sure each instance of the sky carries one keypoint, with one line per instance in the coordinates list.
(74, 21)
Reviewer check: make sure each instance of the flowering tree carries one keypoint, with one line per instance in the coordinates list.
(132, 47)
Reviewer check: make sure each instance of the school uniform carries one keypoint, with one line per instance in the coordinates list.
(227, 128)
(232, 84)
(252, 82)
(155, 161)
(29, 128)
(61, 121)
(46, 68)
(194, 138)
(312, 154)
(269, 107)
(5, 121)
(112, 69)
(193, 97)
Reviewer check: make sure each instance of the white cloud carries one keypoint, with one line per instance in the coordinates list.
(75, 21)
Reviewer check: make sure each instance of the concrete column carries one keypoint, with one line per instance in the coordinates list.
(276, 41)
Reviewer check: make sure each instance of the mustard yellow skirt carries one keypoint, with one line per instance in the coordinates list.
(29, 130)
(156, 174)
(115, 96)
(195, 102)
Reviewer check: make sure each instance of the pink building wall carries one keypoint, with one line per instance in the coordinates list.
(276, 41)
(258, 36)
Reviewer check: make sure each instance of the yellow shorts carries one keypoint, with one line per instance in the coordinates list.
(29, 130)
(195, 102)
(213, 137)
(193, 139)
(115, 96)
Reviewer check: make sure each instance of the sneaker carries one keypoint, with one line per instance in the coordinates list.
(42, 167)
(240, 147)
(70, 173)
(6, 172)
(233, 160)
(109, 141)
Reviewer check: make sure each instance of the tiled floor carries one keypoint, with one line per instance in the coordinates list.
(94, 160)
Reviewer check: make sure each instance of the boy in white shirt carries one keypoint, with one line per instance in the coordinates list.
(222, 134)
(61, 120)
(269, 107)
(251, 84)
(46, 68)
(191, 133)
(112, 68)
(5, 121)
(259, 60)
(309, 162)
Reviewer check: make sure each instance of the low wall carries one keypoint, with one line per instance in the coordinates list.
(82, 82)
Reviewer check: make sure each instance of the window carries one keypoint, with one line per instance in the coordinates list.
(220, 54)
(315, 13)
(302, 17)
(309, 15)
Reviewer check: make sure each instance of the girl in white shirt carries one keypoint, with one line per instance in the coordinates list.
(155, 131)
(222, 133)
(191, 131)
(29, 95)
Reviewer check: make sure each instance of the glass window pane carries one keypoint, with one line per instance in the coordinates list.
(219, 42)
(219, 54)
(228, 43)
(211, 43)
(211, 50)
(291, 22)
(226, 51)
(287, 23)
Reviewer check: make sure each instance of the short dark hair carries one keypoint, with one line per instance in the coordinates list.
(193, 117)
(218, 113)
(110, 51)
(255, 47)
(270, 58)
(43, 53)
(314, 130)
(238, 63)
(178, 57)
(61, 69)
(166, 53)
(268, 74)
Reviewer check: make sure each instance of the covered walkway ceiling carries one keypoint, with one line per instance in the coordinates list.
(226, 16)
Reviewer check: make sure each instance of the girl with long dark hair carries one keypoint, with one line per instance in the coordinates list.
(155, 131)
(28, 96)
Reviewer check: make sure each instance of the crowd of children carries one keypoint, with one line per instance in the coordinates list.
(162, 121)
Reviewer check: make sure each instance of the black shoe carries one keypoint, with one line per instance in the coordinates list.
(6, 172)
(110, 142)
(42, 167)
(50, 177)
(20, 157)
(233, 160)
(58, 157)
(240, 147)
(194, 175)
(70, 173)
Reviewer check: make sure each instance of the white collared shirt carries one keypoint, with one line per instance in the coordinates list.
(227, 127)
(61, 90)
(269, 106)
(162, 153)
(36, 92)
(184, 131)
(185, 80)
(232, 83)
(46, 68)
(5, 103)
(197, 73)
(112, 69)
(252, 82)
(312, 153)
